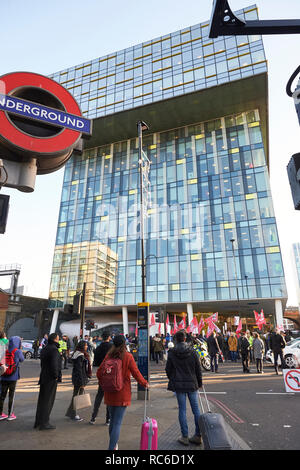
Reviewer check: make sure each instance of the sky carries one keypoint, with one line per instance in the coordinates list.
(45, 37)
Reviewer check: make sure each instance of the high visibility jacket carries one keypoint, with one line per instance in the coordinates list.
(62, 345)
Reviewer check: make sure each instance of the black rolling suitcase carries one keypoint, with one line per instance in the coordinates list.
(213, 429)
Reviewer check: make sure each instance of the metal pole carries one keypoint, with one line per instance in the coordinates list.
(236, 279)
(82, 310)
(140, 136)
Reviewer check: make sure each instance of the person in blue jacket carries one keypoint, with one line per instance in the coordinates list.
(9, 382)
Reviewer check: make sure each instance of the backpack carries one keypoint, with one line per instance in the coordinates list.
(10, 363)
(110, 375)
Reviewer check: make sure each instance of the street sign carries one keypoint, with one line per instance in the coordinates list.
(41, 124)
(143, 345)
(291, 380)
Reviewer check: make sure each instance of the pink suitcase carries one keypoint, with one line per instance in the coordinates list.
(149, 432)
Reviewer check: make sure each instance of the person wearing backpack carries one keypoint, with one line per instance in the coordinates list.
(114, 378)
(12, 359)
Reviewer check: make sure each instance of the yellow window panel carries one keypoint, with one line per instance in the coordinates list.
(83, 267)
(192, 181)
(251, 196)
(132, 191)
(98, 198)
(227, 226)
(272, 249)
(223, 284)
(235, 150)
(151, 211)
(121, 239)
(195, 256)
(104, 217)
(253, 124)
(75, 182)
(185, 231)
(63, 224)
(71, 293)
(107, 157)
(151, 147)
(138, 262)
(199, 136)
(175, 287)
(178, 162)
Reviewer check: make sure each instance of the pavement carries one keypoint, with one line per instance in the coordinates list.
(69, 435)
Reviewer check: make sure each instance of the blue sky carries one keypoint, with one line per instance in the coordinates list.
(45, 37)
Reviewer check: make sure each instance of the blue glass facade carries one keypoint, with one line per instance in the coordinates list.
(171, 65)
(209, 183)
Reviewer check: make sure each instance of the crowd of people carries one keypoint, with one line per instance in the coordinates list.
(181, 360)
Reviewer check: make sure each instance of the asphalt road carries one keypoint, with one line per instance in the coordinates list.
(255, 406)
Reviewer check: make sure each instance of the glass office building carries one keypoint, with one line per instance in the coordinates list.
(210, 233)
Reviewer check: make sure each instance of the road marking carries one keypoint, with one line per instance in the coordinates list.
(215, 393)
(274, 393)
(235, 418)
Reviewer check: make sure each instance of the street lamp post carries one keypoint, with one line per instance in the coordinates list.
(142, 126)
(143, 307)
(235, 272)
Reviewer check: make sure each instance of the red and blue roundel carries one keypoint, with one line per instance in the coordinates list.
(30, 105)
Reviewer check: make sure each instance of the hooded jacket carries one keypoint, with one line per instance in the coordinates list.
(15, 342)
(183, 369)
(80, 374)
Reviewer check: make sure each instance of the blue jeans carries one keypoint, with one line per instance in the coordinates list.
(116, 414)
(233, 355)
(214, 362)
(193, 399)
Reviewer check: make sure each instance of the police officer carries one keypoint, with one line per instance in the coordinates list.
(63, 350)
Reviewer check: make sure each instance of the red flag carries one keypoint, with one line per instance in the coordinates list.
(152, 322)
(201, 325)
(159, 328)
(175, 329)
(239, 329)
(168, 326)
(136, 329)
(182, 325)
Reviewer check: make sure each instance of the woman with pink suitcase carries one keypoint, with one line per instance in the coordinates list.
(117, 401)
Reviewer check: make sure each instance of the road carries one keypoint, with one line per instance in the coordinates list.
(255, 406)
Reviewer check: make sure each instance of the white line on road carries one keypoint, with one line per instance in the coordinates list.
(274, 393)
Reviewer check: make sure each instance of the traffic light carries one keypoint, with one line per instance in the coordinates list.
(4, 206)
(293, 170)
(68, 309)
(159, 316)
(89, 325)
(76, 304)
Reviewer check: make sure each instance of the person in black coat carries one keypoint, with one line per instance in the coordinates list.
(81, 374)
(185, 378)
(244, 347)
(100, 354)
(277, 344)
(214, 351)
(50, 358)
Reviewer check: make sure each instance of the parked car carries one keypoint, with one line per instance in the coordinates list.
(27, 349)
(291, 354)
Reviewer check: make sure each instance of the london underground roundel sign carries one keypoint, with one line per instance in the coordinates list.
(39, 118)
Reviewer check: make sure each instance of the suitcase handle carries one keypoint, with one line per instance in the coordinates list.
(145, 409)
(201, 404)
